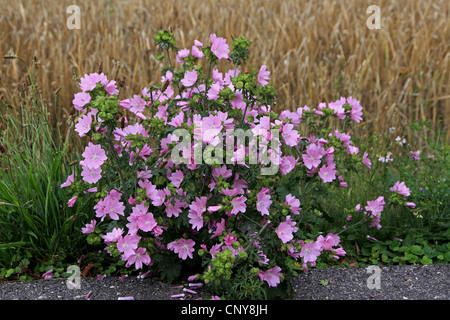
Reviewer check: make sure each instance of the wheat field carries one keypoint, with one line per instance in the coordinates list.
(316, 50)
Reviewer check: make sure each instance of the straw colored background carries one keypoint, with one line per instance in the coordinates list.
(316, 50)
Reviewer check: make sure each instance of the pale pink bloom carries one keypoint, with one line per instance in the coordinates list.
(196, 52)
(138, 258)
(181, 55)
(284, 232)
(331, 240)
(263, 201)
(310, 251)
(80, 100)
(314, 153)
(90, 227)
(212, 209)
(177, 120)
(376, 206)
(238, 204)
(195, 220)
(94, 156)
(89, 82)
(271, 276)
(338, 252)
(83, 125)
(366, 160)
(113, 207)
(72, 201)
(173, 209)
(356, 111)
(263, 75)
(91, 175)
(113, 236)
(290, 135)
(189, 78)
(69, 180)
(287, 164)
(198, 206)
(184, 248)
(146, 222)
(293, 203)
(337, 107)
(327, 173)
(222, 171)
(128, 244)
(111, 88)
(176, 178)
(219, 47)
(137, 104)
(401, 189)
(410, 204)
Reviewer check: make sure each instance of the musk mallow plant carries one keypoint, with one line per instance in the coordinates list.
(191, 174)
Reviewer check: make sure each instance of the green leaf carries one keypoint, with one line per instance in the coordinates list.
(416, 250)
(323, 282)
(426, 260)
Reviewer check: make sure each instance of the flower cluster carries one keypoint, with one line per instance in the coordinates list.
(191, 168)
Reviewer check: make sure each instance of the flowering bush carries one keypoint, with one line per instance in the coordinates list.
(199, 173)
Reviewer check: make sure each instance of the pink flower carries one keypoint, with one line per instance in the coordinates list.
(356, 111)
(80, 100)
(89, 227)
(184, 248)
(137, 104)
(310, 251)
(138, 257)
(293, 203)
(271, 276)
(89, 82)
(83, 125)
(263, 75)
(330, 241)
(196, 52)
(284, 232)
(375, 206)
(327, 173)
(198, 206)
(263, 201)
(401, 189)
(176, 178)
(195, 220)
(314, 153)
(366, 161)
(238, 204)
(69, 180)
(410, 204)
(128, 244)
(229, 239)
(290, 135)
(113, 236)
(146, 222)
(219, 47)
(72, 201)
(91, 175)
(287, 164)
(111, 88)
(189, 78)
(94, 156)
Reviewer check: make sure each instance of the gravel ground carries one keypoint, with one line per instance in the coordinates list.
(425, 282)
